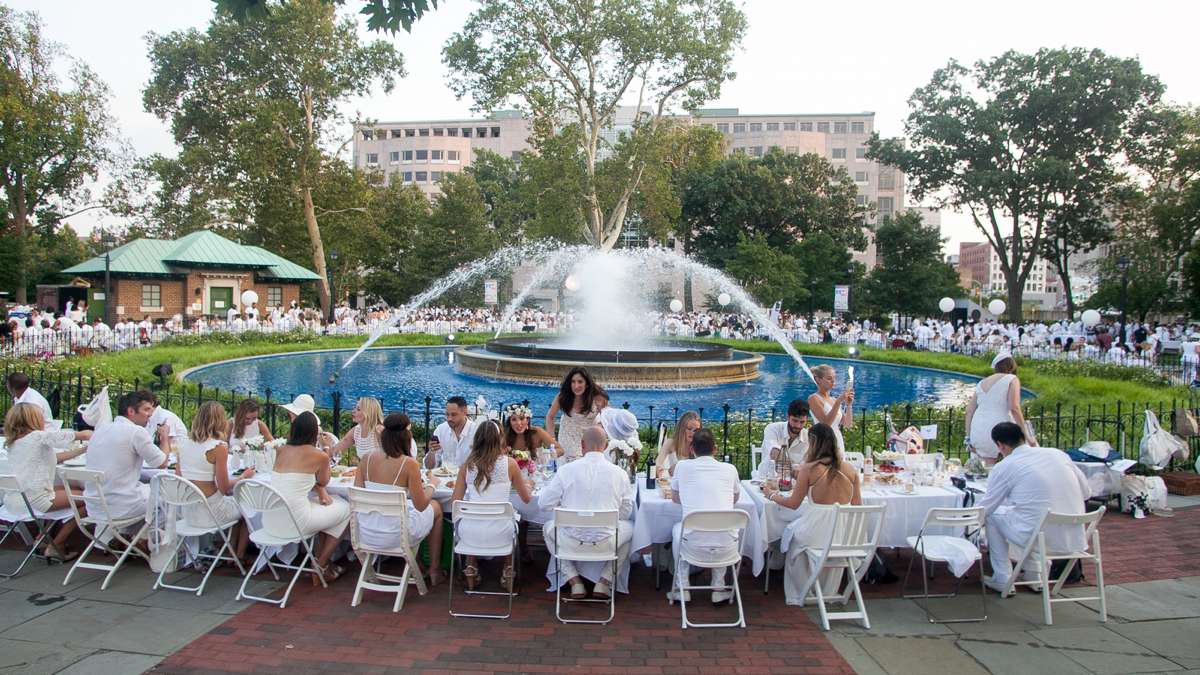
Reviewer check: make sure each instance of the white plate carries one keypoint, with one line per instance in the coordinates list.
(75, 461)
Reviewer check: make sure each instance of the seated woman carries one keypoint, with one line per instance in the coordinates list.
(368, 426)
(247, 424)
(299, 467)
(488, 476)
(520, 434)
(390, 468)
(33, 455)
(819, 485)
(204, 460)
(678, 446)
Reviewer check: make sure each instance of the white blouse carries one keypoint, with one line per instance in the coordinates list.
(33, 458)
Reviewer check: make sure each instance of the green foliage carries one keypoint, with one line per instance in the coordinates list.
(911, 276)
(1151, 286)
(389, 16)
(825, 262)
(768, 273)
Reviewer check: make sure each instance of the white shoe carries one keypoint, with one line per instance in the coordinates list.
(602, 589)
(578, 591)
(722, 596)
(673, 596)
(992, 583)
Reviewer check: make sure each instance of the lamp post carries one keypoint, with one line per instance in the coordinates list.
(1123, 265)
(333, 256)
(850, 291)
(107, 240)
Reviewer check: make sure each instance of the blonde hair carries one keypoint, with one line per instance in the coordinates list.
(22, 419)
(372, 414)
(822, 370)
(680, 435)
(244, 409)
(209, 423)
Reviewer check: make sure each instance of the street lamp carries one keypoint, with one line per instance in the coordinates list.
(107, 240)
(849, 291)
(333, 256)
(1123, 265)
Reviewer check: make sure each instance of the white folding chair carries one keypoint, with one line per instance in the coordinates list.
(733, 521)
(851, 546)
(98, 523)
(174, 491)
(944, 547)
(1037, 546)
(389, 504)
(855, 459)
(482, 512)
(604, 550)
(253, 496)
(9, 485)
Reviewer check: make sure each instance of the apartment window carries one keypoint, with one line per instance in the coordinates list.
(739, 128)
(394, 157)
(806, 126)
(495, 132)
(481, 132)
(723, 127)
(860, 153)
(372, 160)
(422, 155)
(408, 155)
(151, 295)
(274, 296)
(397, 133)
(823, 127)
(435, 176)
(466, 132)
(792, 149)
(452, 131)
(772, 126)
(887, 180)
(423, 132)
(452, 155)
(756, 126)
(407, 176)
(858, 128)
(885, 205)
(515, 156)
(789, 126)
(860, 200)
(368, 134)
(839, 153)
(756, 150)
(410, 133)
(422, 176)
(839, 127)
(439, 132)
(435, 155)
(860, 176)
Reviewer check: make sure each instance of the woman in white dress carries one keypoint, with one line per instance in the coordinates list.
(247, 424)
(299, 468)
(33, 457)
(819, 485)
(204, 460)
(368, 425)
(390, 468)
(836, 413)
(489, 475)
(679, 446)
(580, 400)
(997, 399)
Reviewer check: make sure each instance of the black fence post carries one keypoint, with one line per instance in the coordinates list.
(1057, 424)
(428, 417)
(725, 430)
(337, 414)
(651, 418)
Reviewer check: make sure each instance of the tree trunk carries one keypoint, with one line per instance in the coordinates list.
(1015, 291)
(1066, 285)
(318, 251)
(20, 218)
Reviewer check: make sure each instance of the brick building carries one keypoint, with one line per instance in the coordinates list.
(202, 274)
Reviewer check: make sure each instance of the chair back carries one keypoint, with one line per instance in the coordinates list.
(387, 503)
(577, 518)
(464, 510)
(95, 508)
(1090, 522)
(177, 491)
(947, 517)
(724, 520)
(856, 530)
(254, 496)
(855, 459)
(662, 435)
(10, 485)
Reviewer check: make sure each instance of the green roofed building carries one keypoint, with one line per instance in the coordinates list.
(202, 274)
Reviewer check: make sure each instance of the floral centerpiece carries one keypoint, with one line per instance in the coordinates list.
(524, 462)
(624, 453)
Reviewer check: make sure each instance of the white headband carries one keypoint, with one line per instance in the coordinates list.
(1000, 357)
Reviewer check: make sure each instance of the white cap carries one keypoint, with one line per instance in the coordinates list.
(302, 403)
(999, 357)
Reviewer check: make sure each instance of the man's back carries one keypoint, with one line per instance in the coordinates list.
(1038, 480)
(704, 484)
(119, 450)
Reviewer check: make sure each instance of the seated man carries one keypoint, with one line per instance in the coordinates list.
(176, 429)
(21, 392)
(790, 436)
(704, 484)
(590, 484)
(120, 449)
(1024, 485)
(452, 439)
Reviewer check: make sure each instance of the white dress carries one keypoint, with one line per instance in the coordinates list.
(570, 431)
(837, 422)
(194, 466)
(311, 516)
(803, 541)
(991, 408)
(33, 460)
(383, 532)
(489, 533)
(365, 443)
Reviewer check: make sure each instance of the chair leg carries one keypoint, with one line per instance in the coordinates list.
(737, 595)
(82, 556)
(1100, 577)
(403, 590)
(362, 578)
(159, 582)
(1044, 579)
(250, 572)
(33, 550)
(681, 581)
(130, 547)
(820, 596)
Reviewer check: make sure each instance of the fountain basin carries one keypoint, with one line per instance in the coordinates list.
(666, 363)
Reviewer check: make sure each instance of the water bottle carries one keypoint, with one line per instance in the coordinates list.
(650, 475)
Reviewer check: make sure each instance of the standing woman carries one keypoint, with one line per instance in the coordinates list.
(368, 425)
(837, 413)
(247, 424)
(580, 400)
(679, 446)
(997, 398)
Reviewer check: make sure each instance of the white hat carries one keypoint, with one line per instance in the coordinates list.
(619, 423)
(302, 403)
(1000, 357)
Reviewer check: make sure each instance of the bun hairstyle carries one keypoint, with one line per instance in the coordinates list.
(396, 439)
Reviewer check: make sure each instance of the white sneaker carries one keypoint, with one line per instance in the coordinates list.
(673, 596)
(725, 595)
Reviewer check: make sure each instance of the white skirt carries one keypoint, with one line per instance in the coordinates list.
(376, 531)
(224, 507)
(803, 543)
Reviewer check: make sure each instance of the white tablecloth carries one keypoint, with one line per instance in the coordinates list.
(905, 513)
(1102, 478)
(773, 518)
(656, 516)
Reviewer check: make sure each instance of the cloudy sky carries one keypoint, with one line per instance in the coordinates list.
(798, 57)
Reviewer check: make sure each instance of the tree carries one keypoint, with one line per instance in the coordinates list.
(254, 105)
(565, 61)
(911, 275)
(1019, 141)
(825, 262)
(395, 264)
(456, 233)
(767, 273)
(390, 17)
(53, 137)
(1151, 286)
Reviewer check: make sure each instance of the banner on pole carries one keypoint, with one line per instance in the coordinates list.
(491, 291)
(841, 298)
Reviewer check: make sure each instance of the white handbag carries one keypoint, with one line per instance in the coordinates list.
(1151, 487)
(1159, 445)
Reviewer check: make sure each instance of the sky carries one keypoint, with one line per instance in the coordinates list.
(797, 57)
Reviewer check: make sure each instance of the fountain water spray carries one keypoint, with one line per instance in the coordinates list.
(549, 268)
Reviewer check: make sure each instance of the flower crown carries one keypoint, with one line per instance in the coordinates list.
(517, 410)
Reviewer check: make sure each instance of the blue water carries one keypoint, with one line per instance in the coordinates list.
(403, 377)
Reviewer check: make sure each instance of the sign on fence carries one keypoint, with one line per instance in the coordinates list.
(491, 291)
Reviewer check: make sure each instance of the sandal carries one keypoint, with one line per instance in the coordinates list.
(506, 578)
(471, 575)
(53, 554)
(436, 577)
(330, 574)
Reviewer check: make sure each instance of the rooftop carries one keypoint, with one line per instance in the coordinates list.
(202, 249)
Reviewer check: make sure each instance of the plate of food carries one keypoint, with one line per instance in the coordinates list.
(340, 471)
(445, 472)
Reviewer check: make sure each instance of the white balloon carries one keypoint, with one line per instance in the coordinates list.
(946, 304)
(571, 283)
(249, 297)
(676, 305)
(1090, 317)
(723, 299)
(997, 307)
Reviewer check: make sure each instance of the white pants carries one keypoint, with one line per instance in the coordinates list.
(1002, 530)
(570, 544)
(683, 569)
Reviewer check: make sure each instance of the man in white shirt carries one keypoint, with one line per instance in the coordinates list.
(176, 429)
(21, 392)
(789, 436)
(1024, 486)
(120, 449)
(590, 484)
(704, 484)
(452, 439)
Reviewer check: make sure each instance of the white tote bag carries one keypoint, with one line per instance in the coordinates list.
(1159, 445)
(98, 412)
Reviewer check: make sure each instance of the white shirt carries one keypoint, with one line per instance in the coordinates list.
(1032, 481)
(776, 436)
(175, 426)
(704, 484)
(455, 449)
(592, 483)
(119, 450)
(30, 395)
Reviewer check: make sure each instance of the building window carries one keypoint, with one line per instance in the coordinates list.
(839, 153)
(789, 126)
(422, 176)
(423, 132)
(435, 176)
(795, 150)
(860, 176)
(860, 153)
(408, 155)
(435, 155)
(372, 160)
(466, 132)
(515, 155)
(439, 132)
(452, 131)
(495, 132)
(410, 133)
(772, 126)
(739, 127)
(151, 295)
(860, 200)
(274, 296)
(723, 127)
(885, 206)
(394, 157)
(756, 150)
(755, 126)
(839, 127)
(407, 176)
(858, 128)
(887, 180)
(452, 155)
(368, 134)
(823, 127)
(481, 132)
(806, 126)
(422, 155)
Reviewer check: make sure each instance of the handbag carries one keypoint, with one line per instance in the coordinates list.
(1152, 488)
(1158, 445)
(1185, 424)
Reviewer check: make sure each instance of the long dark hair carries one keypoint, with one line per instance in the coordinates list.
(304, 429)
(566, 397)
(822, 445)
(244, 409)
(510, 435)
(486, 450)
(396, 439)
